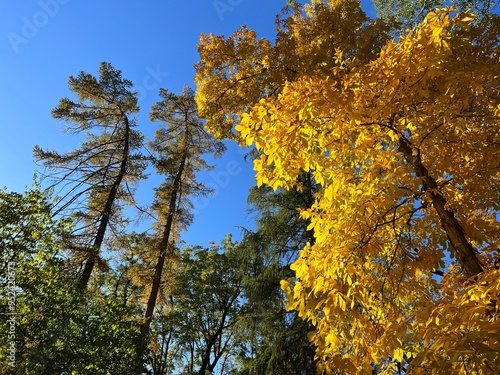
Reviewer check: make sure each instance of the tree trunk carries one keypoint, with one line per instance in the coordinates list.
(106, 215)
(163, 250)
(465, 253)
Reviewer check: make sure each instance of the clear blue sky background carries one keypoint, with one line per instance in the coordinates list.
(153, 43)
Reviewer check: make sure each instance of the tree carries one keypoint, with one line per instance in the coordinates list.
(402, 275)
(410, 13)
(206, 305)
(273, 340)
(236, 72)
(48, 327)
(96, 179)
(30, 243)
(179, 146)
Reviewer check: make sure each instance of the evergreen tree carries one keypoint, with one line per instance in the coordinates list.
(96, 179)
(275, 340)
(178, 148)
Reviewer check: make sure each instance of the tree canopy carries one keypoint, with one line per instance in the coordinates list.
(409, 13)
(376, 246)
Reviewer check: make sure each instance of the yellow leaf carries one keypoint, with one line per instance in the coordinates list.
(397, 355)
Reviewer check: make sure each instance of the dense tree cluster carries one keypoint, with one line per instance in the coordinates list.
(93, 297)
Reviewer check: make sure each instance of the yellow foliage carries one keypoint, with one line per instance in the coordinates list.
(403, 138)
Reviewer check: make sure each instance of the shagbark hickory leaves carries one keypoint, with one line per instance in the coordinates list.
(235, 72)
(404, 143)
(96, 179)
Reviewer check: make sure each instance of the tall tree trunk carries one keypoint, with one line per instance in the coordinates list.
(465, 252)
(106, 215)
(163, 251)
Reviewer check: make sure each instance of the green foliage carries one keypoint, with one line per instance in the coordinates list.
(26, 227)
(207, 303)
(194, 330)
(275, 341)
(56, 328)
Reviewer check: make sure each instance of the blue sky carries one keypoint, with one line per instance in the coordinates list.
(153, 43)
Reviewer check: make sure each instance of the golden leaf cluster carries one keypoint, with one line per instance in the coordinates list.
(399, 140)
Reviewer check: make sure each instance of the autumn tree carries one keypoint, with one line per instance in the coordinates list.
(178, 149)
(97, 178)
(409, 13)
(236, 72)
(274, 341)
(403, 141)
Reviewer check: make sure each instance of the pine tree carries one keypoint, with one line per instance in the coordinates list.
(96, 179)
(178, 148)
(275, 339)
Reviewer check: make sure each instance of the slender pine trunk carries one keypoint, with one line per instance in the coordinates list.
(106, 214)
(160, 263)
